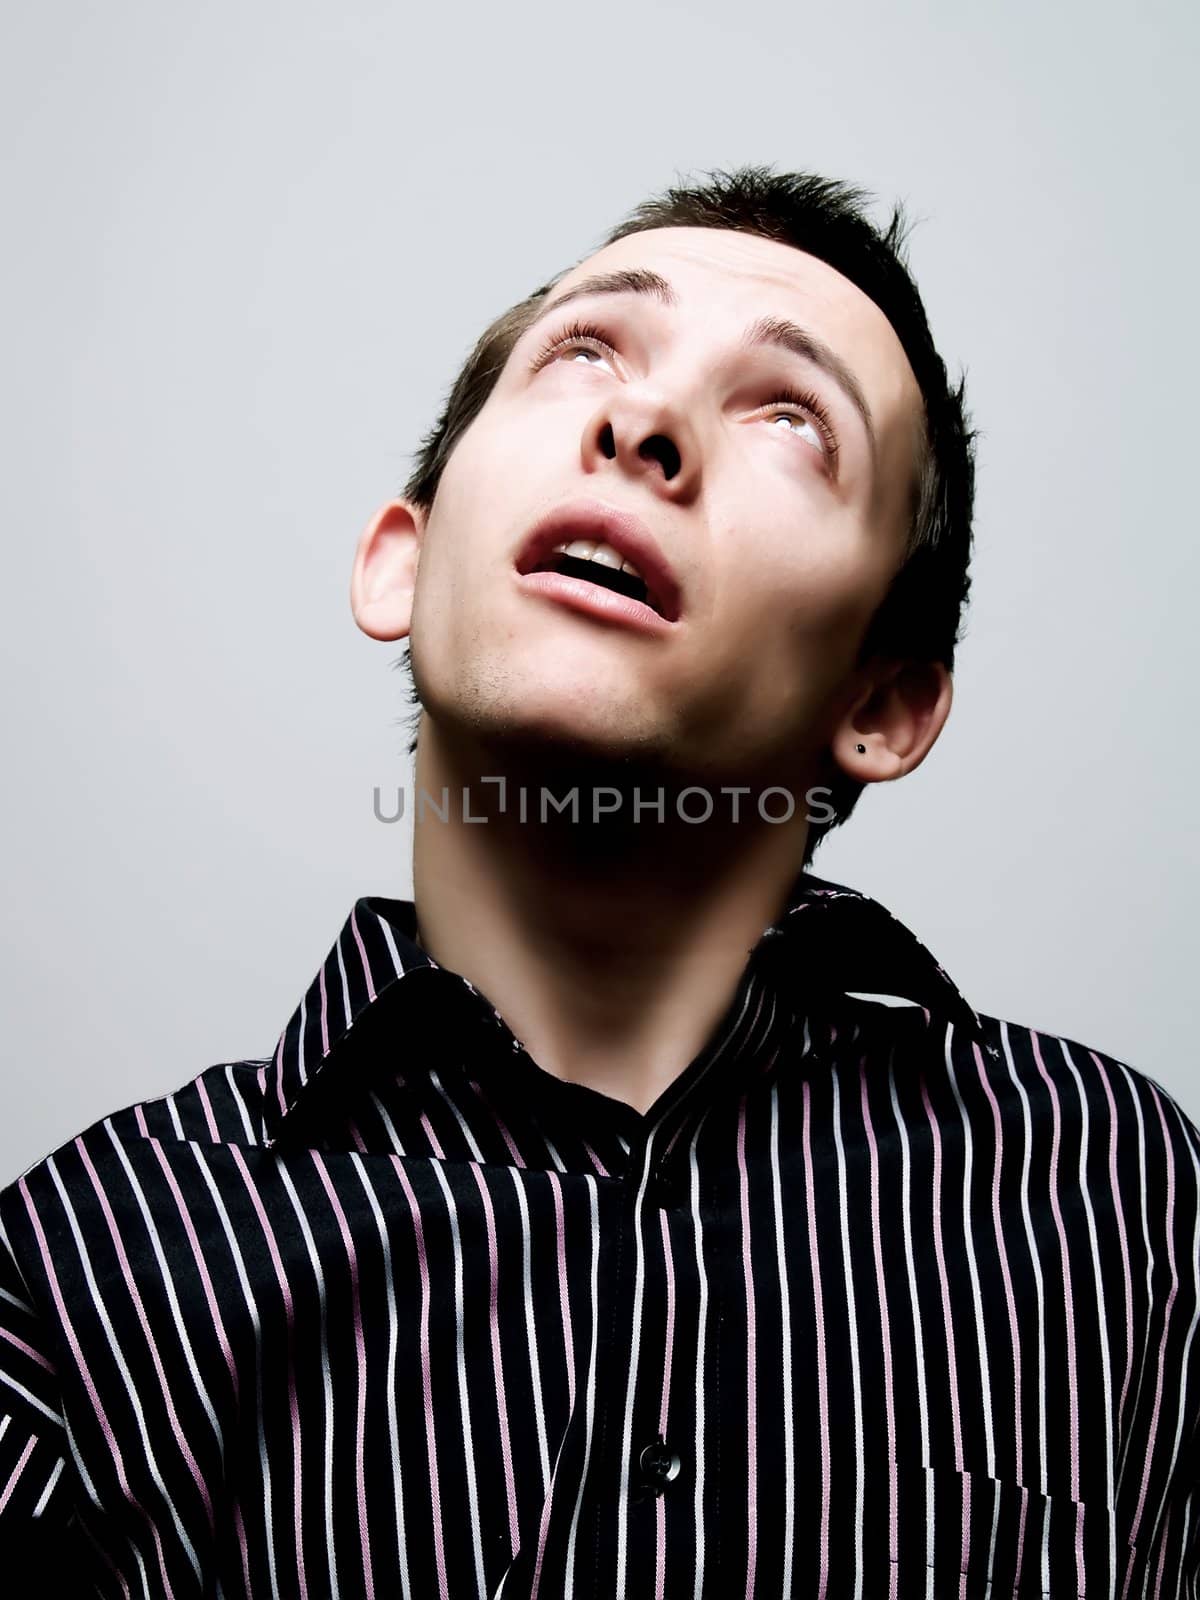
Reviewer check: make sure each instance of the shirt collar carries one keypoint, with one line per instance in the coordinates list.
(833, 937)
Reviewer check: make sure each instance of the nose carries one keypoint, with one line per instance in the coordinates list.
(648, 438)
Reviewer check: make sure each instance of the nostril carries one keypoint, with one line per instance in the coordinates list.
(659, 448)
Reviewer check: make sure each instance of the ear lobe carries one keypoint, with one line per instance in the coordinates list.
(896, 718)
(385, 571)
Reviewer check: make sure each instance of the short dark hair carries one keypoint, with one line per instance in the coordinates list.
(921, 615)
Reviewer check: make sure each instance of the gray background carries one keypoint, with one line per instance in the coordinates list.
(245, 249)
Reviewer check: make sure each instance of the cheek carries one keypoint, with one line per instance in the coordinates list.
(816, 585)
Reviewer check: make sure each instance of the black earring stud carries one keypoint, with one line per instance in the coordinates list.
(861, 748)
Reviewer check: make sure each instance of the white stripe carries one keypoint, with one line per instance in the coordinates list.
(839, 1145)
(169, 1285)
(326, 1379)
(247, 1502)
(535, 1373)
(1151, 1299)
(173, 1113)
(1168, 1469)
(589, 1408)
(634, 1358)
(701, 1374)
(345, 984)
(906, 1214)
(44, 1497)
(785, 1304)
(554, 1155)
(385, 928)
(1034, 1258)
(463, 1395)
(472, 1142)
(123, 1367)
(388, 1125)
(985, 1373)
(393, 1343)
(240, 1102)
(1189, 1507)
(1101, 1317)
(19, 1388)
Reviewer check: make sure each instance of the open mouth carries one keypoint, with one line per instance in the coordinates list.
(598, 563)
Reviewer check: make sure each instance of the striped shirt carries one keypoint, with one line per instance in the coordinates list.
(877, 1300)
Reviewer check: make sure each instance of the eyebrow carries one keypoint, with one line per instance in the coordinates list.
(778, 331)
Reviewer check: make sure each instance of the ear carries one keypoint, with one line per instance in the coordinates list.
(897, 713)
(385, 571)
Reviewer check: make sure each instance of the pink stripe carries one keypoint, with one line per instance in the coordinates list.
(289, 1316)
(27, 1349)
(243, 1543)
(1162, 1550)
(1002, 1249)
(564, 1299)
(497, 1360)
(201, 1264)
(1167, 1309)
(208, 1111)
(360, 1346)
(751, 1358)
(185, 1448)
(664, 1408)
(819, 1318)
(569, 1351)
(17, 1471)
(89, 1382)
(940, 1251)
(435, 1488)
(362, 950)
(518, 1159)
(1021, 1528)
(1069, 1307)
(434, 1143)
(595, 1160)
(886, 1330)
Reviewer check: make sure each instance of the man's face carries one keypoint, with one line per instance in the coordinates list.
(782, 530)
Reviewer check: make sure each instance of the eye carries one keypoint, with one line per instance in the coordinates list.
(813, 432)
(797, 406)
(581, 338)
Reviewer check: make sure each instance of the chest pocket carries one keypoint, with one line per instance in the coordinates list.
(965, 1536)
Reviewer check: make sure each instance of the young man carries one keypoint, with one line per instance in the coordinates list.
(589, 1233)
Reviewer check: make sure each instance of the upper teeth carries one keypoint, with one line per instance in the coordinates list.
(592, 550)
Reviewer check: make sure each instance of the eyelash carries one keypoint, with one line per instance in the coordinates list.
(590, 335)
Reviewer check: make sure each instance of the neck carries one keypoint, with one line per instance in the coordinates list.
(611, 945)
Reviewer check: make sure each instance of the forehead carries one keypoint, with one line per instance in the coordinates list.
(725, 279)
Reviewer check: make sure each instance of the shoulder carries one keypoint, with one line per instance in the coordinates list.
(1114, 1144)
(1060, 1074)
(224, 1105)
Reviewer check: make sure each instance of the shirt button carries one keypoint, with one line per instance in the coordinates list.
(659, 1465)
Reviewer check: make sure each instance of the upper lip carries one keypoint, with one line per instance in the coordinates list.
(627, 534)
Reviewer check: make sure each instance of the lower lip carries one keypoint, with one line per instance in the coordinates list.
(580, 595)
